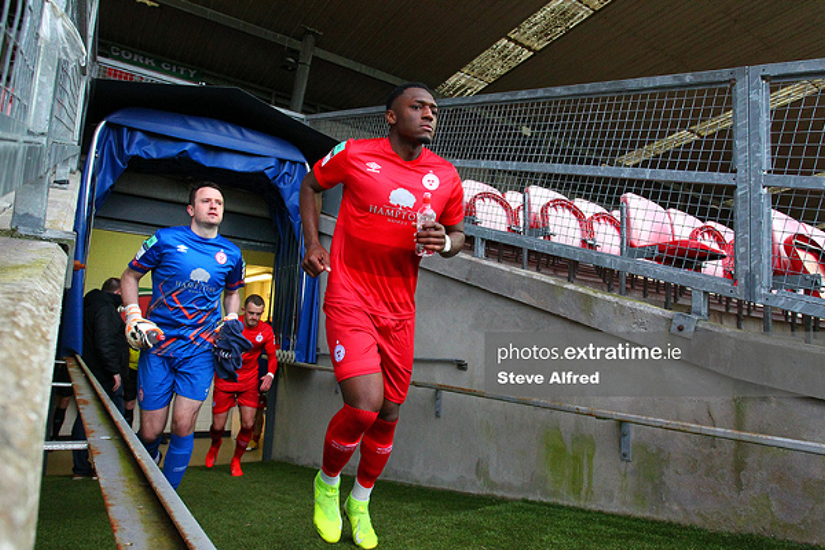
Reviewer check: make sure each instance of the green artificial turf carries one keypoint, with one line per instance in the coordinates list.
(72, 515)
(271, 507)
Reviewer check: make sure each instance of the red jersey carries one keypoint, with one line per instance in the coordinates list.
(373, 259)
(263, 339)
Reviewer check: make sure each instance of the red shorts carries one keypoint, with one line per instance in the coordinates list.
(223, 400)
(361, 343)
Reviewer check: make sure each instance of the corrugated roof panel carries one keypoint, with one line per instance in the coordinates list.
(549, 23)
(431, 41)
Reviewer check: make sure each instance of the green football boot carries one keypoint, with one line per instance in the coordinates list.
(327, 516)
(359, 518)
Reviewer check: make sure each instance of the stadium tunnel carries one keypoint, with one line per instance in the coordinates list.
(189, 133)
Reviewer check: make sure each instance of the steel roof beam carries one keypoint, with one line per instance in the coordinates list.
(277, 38)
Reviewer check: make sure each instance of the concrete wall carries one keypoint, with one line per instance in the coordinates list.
(483, 446)
(32, 275)
(479, 445)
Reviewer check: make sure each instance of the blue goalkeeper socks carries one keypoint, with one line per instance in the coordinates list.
(152, 447)
(177, 458)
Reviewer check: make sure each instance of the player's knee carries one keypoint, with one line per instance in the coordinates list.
(147, 436)
(389, 412)
(183, 427)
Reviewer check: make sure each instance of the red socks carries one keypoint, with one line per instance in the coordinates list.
(375, 451)
(343, 435)
(217, 437)
(242, 442)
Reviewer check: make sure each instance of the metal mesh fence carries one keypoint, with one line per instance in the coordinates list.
(671, 130)
(66, 108)
(796, 190)
(652, 177)
(41, 90)
(570, 166)
(18, 55)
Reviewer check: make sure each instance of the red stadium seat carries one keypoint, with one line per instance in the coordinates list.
(682, 223)
(564, 223)
(516, 201)
(650, 231)
(538, 197)
(716, 234)
(491, 210)
(797, 249)
(588, 208)
(604, 233)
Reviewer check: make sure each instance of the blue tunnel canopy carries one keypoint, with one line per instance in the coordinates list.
(152, 135)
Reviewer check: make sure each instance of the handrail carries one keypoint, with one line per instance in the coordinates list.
(144, 510)
(811, 447)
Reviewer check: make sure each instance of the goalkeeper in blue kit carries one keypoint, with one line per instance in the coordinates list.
(191, 268)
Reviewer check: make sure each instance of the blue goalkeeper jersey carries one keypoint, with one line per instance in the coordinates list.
(189, 275)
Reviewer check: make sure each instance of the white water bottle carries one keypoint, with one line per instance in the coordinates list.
(425, 214)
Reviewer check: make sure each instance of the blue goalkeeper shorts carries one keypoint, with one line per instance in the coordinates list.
(159, 378)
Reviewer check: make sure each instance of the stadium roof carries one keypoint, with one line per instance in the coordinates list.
(363, 48)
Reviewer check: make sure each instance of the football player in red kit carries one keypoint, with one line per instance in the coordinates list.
(369, 302)
(245, 391)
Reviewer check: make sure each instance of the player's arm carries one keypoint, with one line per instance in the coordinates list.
(231, 304)
(271, 349)
(456, 235)
(434, 236)
(129, 285)
(140, 333)
(316, 257)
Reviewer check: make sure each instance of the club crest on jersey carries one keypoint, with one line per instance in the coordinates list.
(339, 353)
(430, 182)
(220, 257)
(259, 338)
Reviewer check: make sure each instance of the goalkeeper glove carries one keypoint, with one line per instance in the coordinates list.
(140, 333)
(229, 317)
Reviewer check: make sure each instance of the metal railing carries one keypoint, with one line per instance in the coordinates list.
(625, 419)
(42, 82)
(711, 181)
(144, 510)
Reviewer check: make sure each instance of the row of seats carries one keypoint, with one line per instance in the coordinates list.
(797, 248)
(667, 236)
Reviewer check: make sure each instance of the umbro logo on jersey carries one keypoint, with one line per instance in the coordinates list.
(374, 167)
(182, 248)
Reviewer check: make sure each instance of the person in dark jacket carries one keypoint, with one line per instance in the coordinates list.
(105, 352)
